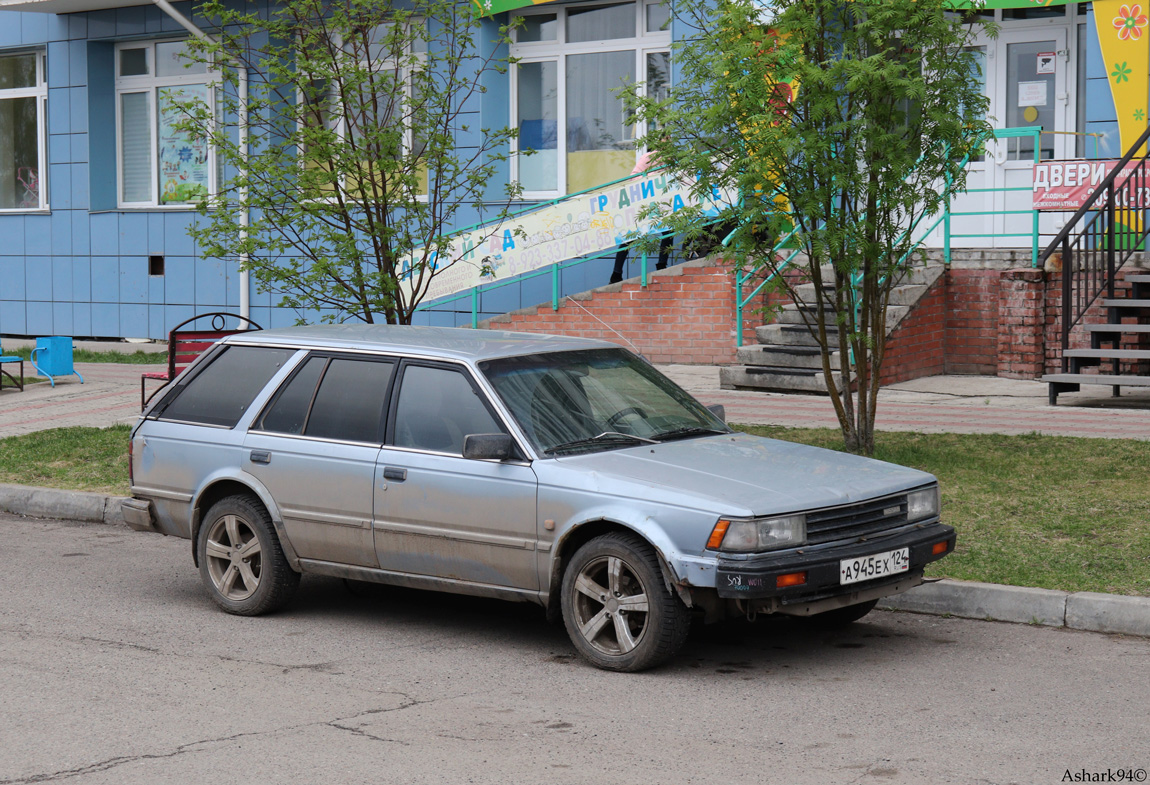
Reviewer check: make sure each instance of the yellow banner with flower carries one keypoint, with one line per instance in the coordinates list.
(1125, 44)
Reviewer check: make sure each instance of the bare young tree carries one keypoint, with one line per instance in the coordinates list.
(363, 150)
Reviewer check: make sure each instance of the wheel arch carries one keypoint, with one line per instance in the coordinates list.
(219, 488)
(579, 535)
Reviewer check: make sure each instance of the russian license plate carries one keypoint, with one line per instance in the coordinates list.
(864, 568)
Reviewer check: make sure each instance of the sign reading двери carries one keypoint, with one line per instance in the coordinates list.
(1066, 185)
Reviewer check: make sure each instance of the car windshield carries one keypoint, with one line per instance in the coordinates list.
(595, 399)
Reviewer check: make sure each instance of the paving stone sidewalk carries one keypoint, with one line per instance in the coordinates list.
(110, 394)
(956, 404)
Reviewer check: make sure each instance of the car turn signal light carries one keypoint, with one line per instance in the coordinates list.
(717, 534)
(939, 547)
(790, 579)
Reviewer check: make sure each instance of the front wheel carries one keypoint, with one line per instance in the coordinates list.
(241, 561)
(617, 608)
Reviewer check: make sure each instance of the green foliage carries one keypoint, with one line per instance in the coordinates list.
(364, 148)
(138, 357)
(835, 126)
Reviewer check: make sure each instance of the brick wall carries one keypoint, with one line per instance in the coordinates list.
(917, 347)
(685, 315)
(1021, 324)
(971, 321)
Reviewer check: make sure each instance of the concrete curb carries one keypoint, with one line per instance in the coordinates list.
(62, 505)
(1087, 611)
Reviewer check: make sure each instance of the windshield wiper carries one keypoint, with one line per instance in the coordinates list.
(690, 430)
(607, 437)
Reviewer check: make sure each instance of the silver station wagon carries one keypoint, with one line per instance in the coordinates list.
(560, 471)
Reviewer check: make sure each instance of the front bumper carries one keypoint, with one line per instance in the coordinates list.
(756, 578)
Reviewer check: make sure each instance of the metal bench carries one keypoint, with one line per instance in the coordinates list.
(184, 346)
(17, 381)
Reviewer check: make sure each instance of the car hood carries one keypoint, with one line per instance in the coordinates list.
(739, 474)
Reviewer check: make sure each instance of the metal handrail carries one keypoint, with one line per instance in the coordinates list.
(1098, 193)
(1098, 240)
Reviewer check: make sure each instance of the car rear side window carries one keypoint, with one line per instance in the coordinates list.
(437, 408)
(349, 403)
(288, 411)
(221, 393)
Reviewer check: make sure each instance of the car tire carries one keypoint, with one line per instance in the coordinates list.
(618, 610)
(841, 617)
(241, 561)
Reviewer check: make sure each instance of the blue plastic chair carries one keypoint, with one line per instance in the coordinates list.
(18, 381)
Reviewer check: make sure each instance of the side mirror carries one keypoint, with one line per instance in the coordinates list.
(487, 446)
(719, 411)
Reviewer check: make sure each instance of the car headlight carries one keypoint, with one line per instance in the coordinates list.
(758, 534)
(922, 504)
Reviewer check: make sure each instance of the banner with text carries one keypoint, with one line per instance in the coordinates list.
(1066, 185)
(583, 224)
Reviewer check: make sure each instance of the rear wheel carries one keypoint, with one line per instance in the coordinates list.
(617, 608)
(841, 617)
(241, 561)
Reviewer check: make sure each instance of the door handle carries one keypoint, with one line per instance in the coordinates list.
(390, 473)
(260, 456)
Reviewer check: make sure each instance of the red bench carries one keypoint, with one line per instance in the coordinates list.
(184, 346)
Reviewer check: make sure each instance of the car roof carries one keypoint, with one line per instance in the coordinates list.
(449, 342)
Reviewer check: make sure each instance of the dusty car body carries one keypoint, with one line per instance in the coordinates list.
(553, 470)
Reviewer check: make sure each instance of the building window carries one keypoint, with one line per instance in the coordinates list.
(159, 165)
(23, 110)
(381, 100)
(566, 91)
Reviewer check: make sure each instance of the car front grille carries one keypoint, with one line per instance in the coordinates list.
(856, 520)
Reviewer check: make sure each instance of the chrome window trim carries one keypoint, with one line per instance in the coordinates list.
(320, 439)
(477, 378)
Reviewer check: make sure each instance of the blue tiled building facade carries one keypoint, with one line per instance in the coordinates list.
(75, 260)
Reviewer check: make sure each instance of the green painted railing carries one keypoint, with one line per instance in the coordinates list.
(474, 293)
(1035, 133)
(743, 278)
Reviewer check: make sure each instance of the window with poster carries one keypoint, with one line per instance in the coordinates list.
(159, 165)
(23, 108)
(572, 63)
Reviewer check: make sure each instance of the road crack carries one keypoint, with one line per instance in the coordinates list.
(192, 746)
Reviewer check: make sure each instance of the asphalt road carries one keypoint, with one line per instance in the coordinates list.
(115, 668)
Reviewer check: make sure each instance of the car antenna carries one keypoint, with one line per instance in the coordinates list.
(634, 348)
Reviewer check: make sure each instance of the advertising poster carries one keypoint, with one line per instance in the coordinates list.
(1065, 185)
(183, 161)
(580, 225)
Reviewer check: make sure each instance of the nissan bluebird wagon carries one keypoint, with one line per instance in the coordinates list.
(552, 470)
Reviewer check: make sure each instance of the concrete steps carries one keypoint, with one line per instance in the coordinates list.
(787, 357)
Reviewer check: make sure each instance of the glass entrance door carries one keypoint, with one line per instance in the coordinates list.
(1030, 77)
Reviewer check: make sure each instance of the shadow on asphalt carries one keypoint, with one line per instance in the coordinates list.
(734, 647)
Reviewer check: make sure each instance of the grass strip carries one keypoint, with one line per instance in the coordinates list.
(138, 357)
(78, 459)
(1054, 512)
